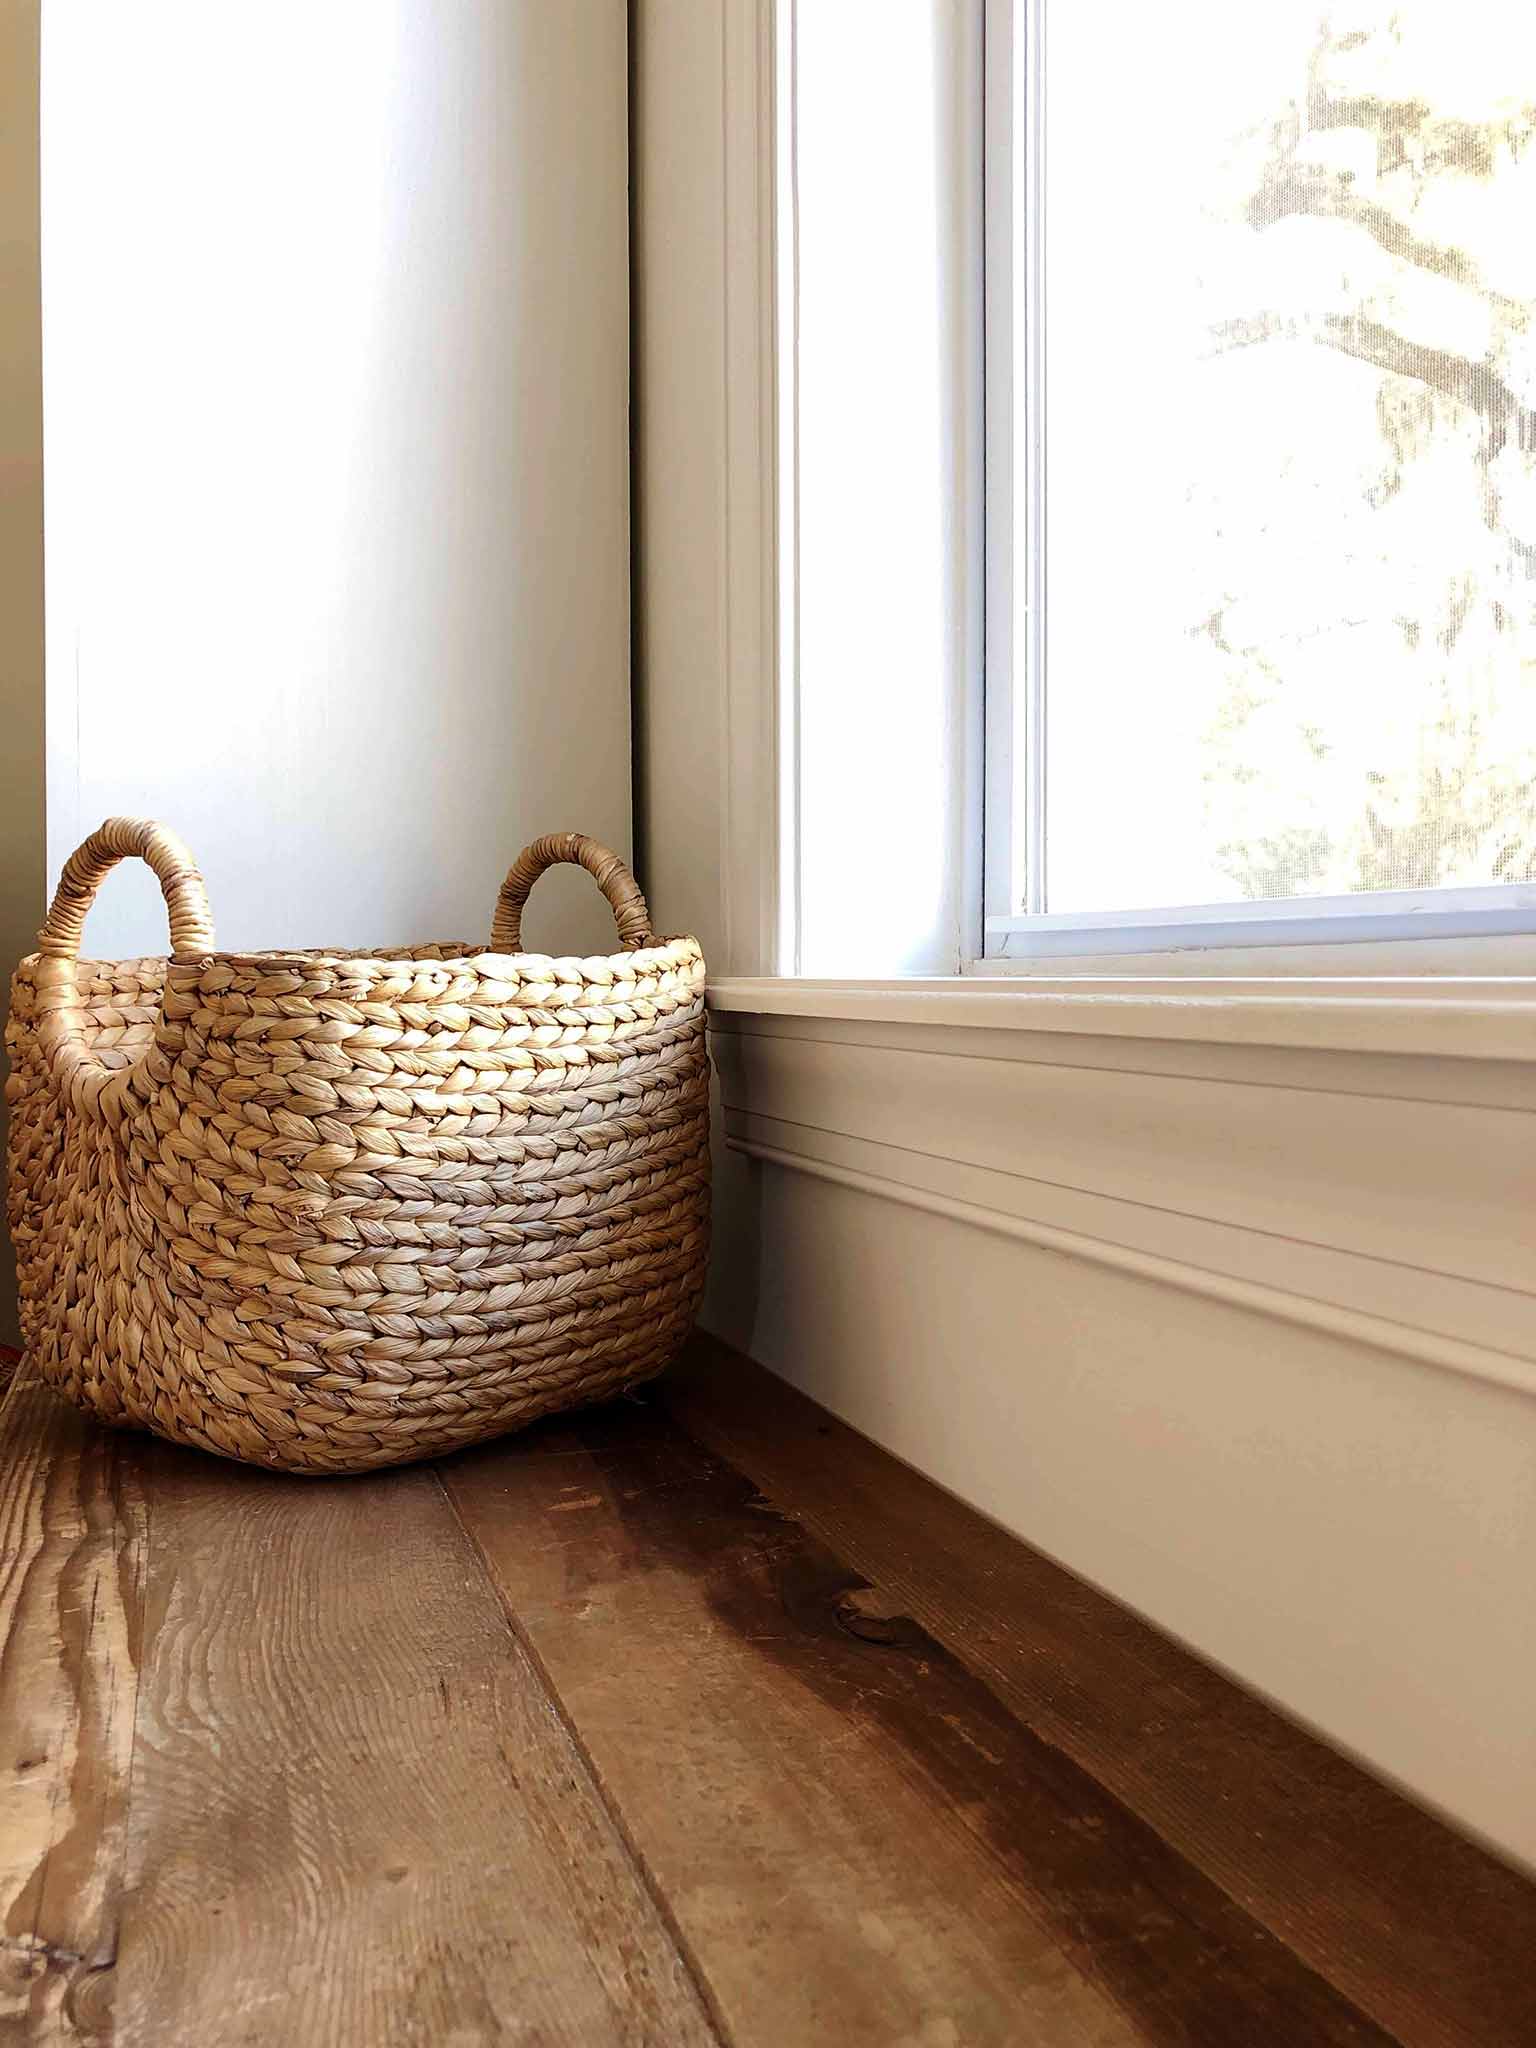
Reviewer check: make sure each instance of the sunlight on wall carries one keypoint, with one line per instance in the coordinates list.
(213, 295)
(883, 392)
(336, 395)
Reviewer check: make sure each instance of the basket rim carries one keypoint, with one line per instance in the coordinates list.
(449, 954)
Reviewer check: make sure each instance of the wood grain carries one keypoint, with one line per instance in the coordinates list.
(661, 1757)
(357, 1815)
(1414, 1924)
(858, 1839)
(71, 1563)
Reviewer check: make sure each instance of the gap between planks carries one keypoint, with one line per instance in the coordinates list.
(573, 1733)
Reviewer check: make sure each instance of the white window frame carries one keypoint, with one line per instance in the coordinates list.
(1481, 930)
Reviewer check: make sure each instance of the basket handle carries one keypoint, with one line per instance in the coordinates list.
(605, 868)
(88, 866)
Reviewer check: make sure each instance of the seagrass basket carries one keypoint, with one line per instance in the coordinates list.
(331, 1211)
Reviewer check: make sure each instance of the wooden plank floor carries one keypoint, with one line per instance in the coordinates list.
(693, 1719)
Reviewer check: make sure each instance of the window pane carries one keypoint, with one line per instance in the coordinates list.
(1290, 423)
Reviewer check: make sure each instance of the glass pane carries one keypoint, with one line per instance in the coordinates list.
(1290, 429)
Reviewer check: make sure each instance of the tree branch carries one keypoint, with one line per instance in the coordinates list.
(1475, 385)
(1294, 191)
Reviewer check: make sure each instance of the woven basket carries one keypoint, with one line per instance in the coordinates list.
(326, 1211)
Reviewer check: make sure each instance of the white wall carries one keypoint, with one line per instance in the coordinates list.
(336, 346)
(21, 524)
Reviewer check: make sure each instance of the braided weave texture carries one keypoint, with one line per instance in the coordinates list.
(328, 1212)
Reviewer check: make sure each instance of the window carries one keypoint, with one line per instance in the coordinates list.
(1260, 307)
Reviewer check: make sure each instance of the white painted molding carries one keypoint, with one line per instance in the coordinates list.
(1356, 1158)
(807, 1152)
(1440, 1017)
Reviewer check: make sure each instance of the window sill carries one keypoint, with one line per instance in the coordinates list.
(1441, 1017)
